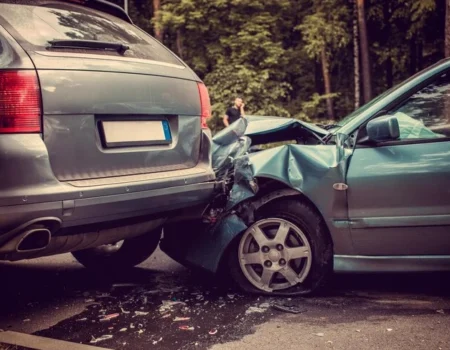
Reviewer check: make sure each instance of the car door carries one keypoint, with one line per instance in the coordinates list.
(399, 191)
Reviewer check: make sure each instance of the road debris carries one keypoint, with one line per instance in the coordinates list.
(179, 319)
(124, 311)
(89, 300)
(123, 329)
(132, 326)
(26, 320)
(440, 311)
(102, 338)
(213, 331)
(186, 328)
(82, 319)
(140, 331)
(125, 285)
(141, 313)
(319, 334)
(108, 317)
(167, 305)
(288, 308)
(257, 310)
(157, 341)
(389, 329)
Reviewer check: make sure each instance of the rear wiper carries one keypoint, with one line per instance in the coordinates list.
(88, 44)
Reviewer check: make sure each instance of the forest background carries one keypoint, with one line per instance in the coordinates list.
(316, 60)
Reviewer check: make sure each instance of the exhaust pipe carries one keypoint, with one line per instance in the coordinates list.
(32, 236)
(34, 240)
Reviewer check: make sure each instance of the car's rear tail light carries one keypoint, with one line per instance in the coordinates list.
(20, 102)
(205, 105)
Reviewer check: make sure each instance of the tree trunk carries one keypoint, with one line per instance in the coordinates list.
(412, 56)
(159, 32)
(356, 57)
(447, 28)
(365, 60)
(387, 10)
(318, 78)
(180, 43)
(389, 73)
(419, 56)
(327, 84)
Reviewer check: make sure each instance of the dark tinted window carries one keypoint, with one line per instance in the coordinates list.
(36, 25)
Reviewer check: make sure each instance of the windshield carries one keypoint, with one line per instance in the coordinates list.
(372, 102)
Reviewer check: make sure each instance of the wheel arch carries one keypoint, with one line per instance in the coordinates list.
(271, 190)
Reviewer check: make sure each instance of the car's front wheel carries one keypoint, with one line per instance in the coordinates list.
(121, 255)
(286, 251)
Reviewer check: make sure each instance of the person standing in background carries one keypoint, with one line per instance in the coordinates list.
(234, 112)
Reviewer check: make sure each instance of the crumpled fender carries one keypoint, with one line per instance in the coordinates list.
(307, 170)
(311, 171)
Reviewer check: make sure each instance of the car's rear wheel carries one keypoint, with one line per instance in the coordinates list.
(120, 255)
(286, 251)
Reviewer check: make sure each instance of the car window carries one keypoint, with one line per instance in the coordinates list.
(37, 25)
(426, 114)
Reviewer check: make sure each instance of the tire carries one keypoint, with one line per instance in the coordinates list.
(130, 253)
(302, 265)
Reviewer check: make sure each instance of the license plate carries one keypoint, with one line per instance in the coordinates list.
(136, 133)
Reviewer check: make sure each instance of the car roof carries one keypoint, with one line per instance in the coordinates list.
(104, 6)
(99, 5)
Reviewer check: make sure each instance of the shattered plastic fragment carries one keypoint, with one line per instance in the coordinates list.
(167, 305)
(165, 316)
(89, 300)
(103, 337)
(124, 311)
(140, 313)
(186, 328)
(140, 331)
(389, 329)
(288, 308)
(108, 317)
(132, 326)
(179, 319)
(157, 341)
(123, 329)
(442, 312)
(254, 309)
(124, 285)
(319, 334)
(213, 331)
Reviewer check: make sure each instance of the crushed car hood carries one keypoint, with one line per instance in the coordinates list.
(263, 130)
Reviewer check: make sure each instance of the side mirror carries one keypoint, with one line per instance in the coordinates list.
(382, 129)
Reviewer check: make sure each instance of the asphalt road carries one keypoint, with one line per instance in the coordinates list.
(161, 305)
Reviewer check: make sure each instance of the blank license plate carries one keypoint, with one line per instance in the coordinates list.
(136, 133)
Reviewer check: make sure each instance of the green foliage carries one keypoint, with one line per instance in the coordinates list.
(327, 28)
(268, 51)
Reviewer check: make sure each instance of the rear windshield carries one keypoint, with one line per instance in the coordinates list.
(35, 23)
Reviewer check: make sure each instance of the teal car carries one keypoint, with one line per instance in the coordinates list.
(369, 194)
